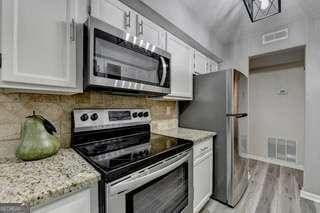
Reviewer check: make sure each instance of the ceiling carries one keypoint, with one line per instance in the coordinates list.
(229, 18)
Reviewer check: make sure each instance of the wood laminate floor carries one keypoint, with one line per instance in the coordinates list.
(272, 189)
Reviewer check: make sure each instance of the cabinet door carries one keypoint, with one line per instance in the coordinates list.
(208, 66)
(181, 68)
(150, 32)
(202, 181)
(213, 66)
(38, 42)
(200, 63)
(77, 203)
(114, 13)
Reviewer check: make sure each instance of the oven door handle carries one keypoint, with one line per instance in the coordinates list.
(129, 184)
(164, 71)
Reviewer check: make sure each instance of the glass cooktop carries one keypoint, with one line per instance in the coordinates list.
(115, 163)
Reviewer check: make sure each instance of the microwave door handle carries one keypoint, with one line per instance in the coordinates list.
(128, 185)
(164, 72)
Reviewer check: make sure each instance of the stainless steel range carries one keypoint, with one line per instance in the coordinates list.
(141, 172)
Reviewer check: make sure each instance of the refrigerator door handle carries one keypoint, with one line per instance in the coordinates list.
(238, 115)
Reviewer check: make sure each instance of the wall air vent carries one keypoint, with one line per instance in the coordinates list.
(282, 149)
(275, 36)
(272, 147)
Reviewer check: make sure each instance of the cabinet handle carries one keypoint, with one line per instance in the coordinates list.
(127, 17)
(141, 28)
(73, 30)
(204, 149)
(197, 73)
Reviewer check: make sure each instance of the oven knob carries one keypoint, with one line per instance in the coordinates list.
(145, 114)
(94, 116)
(140, 114)
(84, 117)
(135, 114)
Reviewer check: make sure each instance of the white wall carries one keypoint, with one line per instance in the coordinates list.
(273, 115)
(312, 153)
(181, 16)
(303, 32)
(238, 52)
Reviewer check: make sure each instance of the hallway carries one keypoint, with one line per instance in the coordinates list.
(272, 189)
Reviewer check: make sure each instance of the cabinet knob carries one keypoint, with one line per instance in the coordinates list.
(204, 149)
(84, 117)
(94, 116)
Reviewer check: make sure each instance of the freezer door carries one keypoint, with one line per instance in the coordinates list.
(237, 125)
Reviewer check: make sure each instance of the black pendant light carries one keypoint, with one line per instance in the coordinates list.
(261, 9)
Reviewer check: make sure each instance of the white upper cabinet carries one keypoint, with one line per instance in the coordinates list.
(208, 66)
(121, 16)
(114, 13)
(181, 68)
(200, 63)
(38, 44)
(203, 64)
(212, 66)
(150, 32)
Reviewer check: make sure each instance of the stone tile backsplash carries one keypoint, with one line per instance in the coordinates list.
(57, 108)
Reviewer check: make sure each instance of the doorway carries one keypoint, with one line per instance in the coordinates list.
(277, 107)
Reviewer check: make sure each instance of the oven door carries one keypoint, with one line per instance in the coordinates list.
(120, 61)
(165, 187)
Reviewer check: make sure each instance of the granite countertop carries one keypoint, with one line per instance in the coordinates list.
(36, 182)
(187, 134)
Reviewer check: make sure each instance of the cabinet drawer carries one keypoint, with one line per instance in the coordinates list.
(202, 147)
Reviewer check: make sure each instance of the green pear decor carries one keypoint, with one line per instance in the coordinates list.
(37, 139)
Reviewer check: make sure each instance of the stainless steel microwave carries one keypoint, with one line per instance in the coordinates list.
(122, 63)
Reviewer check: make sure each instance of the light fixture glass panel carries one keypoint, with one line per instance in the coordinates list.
(261, 9)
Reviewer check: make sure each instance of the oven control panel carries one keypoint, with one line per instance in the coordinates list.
(91, 119)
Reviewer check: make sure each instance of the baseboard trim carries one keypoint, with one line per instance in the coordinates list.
(310, 196)
(277, 162)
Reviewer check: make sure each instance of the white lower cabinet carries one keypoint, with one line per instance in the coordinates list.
(85, 201)
(202, 174)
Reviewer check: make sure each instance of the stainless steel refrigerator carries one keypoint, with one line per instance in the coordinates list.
(220, 104)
